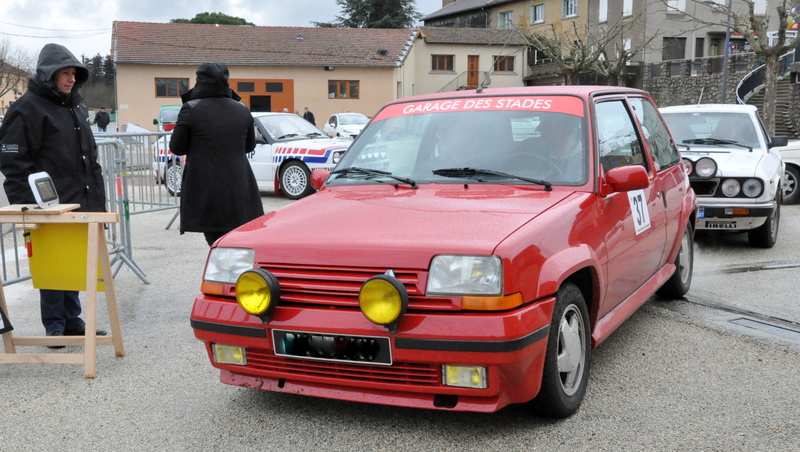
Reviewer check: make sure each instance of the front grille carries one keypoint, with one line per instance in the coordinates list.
(339, 286)
(705, 187)
(397, 373)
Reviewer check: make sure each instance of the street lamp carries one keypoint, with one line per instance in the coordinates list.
(725, 56)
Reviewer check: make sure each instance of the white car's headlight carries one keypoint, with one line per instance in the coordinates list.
(465, 275)
(731, 187)
(226, 264)
(751, 188)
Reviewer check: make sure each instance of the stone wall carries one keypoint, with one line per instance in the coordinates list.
(680, 82)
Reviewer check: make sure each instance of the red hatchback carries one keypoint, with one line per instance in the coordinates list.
(468, 252)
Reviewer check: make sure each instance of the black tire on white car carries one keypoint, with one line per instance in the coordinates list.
(173, 176)
(791, 190)
(766, 235)
(296, 180)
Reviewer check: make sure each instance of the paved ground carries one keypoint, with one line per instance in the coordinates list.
(665, 381)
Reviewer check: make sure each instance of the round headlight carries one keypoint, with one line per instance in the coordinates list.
(687, 166)
(383, 300)
(730, 187)
(751, 188)
(257, 292)
(705, 167)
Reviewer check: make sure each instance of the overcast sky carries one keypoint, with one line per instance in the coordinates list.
(84, 26)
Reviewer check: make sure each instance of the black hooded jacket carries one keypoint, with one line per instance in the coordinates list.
(46, 130)
(215, 132)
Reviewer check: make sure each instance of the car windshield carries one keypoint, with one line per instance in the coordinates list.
(728, 130)
(353, 119)
(519, 146)
(288, 127)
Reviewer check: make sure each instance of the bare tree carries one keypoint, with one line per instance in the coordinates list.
(576, 50)
(16, 65)
(742, 19)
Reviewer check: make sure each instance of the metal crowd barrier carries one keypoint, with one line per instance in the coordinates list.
(132, 179)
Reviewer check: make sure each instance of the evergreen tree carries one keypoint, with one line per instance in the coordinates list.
(375, 14)
(212, 18)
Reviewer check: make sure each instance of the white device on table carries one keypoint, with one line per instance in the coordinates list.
(44, 190)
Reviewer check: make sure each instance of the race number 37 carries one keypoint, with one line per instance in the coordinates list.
(639, 213)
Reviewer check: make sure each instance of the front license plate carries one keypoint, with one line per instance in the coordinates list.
(333, 347)
(720, 225)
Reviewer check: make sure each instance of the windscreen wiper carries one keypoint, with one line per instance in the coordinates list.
(288, 135)
(374, 173)
(716, 142)
(473, 172)
(314, 134)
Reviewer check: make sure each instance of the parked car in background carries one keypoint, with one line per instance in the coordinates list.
(790, 154)
(287, 149)
(468, 260)
(734, 168)
(345, 125)
(167, 117)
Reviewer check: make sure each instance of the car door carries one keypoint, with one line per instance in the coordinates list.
(671, 177)
(261, 161)
(634, 220)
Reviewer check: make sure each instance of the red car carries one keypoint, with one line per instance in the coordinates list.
(470, 262)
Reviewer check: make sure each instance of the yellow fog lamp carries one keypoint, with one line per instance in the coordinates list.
(258, 292)
(383, 300)
(464, 376)
(229, 354)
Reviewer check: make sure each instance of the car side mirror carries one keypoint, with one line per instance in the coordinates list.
(318, 178)
(626, 178)
(778, 141)
(332, 125)
(155, 122)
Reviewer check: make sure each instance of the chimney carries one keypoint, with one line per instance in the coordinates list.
(447, 2)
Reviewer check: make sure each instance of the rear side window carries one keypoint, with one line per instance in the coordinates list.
(655, 132)
(617, 138)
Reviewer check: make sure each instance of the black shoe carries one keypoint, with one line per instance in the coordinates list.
(82, 332)
(55, 334)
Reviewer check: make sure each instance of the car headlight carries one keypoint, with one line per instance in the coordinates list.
(465, 275)
(258, 292)
(337, 156)
(731, 187)
(383, 300)
(226, 264)
(751, 188)
(687, 166)
(705, 167)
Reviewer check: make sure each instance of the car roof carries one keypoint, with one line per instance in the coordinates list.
(584, 91)
(257, 114)
(710, 108)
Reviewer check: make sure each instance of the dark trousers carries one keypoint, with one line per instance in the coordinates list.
(212, 237)
(60, 310)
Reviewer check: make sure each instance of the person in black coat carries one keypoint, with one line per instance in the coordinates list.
(47, 129)
(215, 132)
(102, 119)
(308, 116)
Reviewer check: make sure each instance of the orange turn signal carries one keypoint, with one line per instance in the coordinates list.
(502, 303)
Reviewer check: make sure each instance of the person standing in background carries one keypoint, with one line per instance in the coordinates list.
(47, 129)
(102, 119)
(215, 132)
(308, 116)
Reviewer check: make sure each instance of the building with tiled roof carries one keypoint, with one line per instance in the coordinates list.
(328, 70)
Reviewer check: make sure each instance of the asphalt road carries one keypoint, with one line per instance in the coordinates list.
(677, 376)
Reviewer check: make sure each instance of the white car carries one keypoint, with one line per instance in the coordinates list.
(791, 175)
(734, 168)
(345, 125)
(287, 148)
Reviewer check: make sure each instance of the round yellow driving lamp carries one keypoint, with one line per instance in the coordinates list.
(258, 292)
(383, 300)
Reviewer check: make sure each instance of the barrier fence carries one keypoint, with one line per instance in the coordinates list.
(134, 166)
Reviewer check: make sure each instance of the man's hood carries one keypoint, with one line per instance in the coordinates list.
(55, 57)
(211, 81)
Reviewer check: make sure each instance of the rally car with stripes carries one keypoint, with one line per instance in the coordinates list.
(287, 149)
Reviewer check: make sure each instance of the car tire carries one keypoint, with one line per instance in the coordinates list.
(791, 190)
(296, 180)
(566, 363)
(680, 281)
(173, 177)
(766, 235)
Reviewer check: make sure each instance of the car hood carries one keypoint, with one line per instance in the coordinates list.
(740, 162)
(313, 143)
(387, 227)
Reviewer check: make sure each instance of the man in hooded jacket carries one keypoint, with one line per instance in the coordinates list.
(47, 130)
(215, 132)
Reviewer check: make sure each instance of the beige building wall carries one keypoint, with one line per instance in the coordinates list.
(428, 81)
(139, 105)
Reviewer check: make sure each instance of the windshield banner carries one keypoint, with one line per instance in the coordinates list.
(556, 104)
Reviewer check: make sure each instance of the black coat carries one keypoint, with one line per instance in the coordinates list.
(102, 119)
(46, 130)
(215, 133)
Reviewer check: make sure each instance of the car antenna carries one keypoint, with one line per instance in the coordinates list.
(701, 95)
